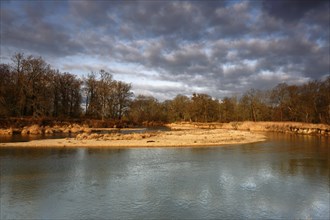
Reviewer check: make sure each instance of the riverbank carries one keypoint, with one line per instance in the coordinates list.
(282, 127)
(34, 126)
(183, 134)
(52, 127)
(176, 138)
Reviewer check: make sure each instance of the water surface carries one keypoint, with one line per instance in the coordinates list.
(284, 177)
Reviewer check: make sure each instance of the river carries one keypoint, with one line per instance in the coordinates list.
(286, 177)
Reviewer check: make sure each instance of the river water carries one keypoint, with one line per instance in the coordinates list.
(285, 177)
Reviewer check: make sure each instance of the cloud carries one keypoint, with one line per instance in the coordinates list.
(217, 47)
(29, 29)
(292, 10)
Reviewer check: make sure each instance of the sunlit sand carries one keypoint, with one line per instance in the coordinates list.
(176, 138)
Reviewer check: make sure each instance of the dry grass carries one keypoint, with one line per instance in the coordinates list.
(284, 127)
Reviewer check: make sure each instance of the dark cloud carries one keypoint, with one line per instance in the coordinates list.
(89, 14)
(216, 47)
(292, 10)
(29, 29)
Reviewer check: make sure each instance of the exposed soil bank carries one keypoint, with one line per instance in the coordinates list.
(37, 129)
(283, 127)
(26, 126)
(182, 138)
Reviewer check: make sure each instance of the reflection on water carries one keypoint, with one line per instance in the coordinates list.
(285, 177)
(25, 138)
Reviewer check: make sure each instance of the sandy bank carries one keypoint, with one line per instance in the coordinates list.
(36, 129)
(179, 138)
(282, 127)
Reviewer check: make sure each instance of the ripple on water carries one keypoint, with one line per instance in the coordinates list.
(320, 208)
(236, 182)
(249, 184)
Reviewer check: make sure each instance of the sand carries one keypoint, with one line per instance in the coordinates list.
(175, 138)
(262, 126)
(182, 135)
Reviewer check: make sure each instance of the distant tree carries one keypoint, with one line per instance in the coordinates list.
(122, 97)
(7, 91)
(254, 106)
(308, 102)
(228, 110)
(292, 102)
(204, 108)
(29, 87)
(178, 108)
(308, 99)
(146, 108)
(105, 93)
(67, 96)
(36, 87)
(278, 97)
(19, 80)
(91, 96)
(106, 98)
(323, 102)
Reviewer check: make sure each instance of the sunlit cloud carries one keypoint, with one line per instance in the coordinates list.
(198, 46)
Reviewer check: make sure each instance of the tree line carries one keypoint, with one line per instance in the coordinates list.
(29, 87)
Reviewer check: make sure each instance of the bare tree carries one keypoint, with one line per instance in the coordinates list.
(66, 95)
(203, 108)
(122, 97)
(92, 97)
(178, 109)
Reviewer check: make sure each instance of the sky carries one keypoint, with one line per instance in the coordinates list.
(165, 48)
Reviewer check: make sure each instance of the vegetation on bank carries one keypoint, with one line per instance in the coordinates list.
(32, 90)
